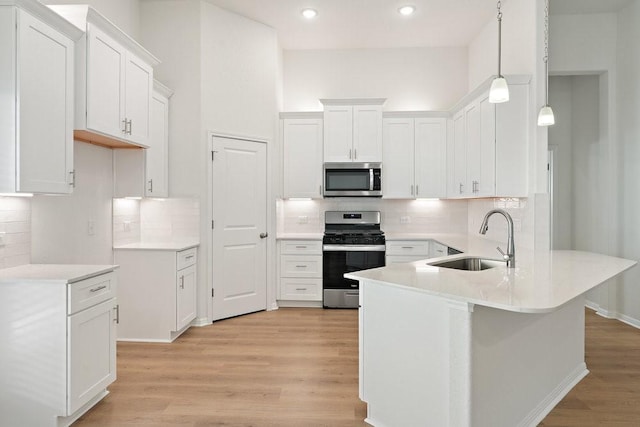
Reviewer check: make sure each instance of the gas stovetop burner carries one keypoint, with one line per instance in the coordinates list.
(353, 228)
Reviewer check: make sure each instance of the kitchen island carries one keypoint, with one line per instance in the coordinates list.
(497, 347)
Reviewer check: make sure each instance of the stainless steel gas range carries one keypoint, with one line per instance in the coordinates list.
(352, 241)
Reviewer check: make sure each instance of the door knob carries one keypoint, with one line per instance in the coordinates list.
(264, 235)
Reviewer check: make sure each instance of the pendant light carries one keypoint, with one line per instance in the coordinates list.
(545, 116)
(499, 91)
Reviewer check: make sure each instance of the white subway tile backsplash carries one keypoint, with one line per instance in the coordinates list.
(15, 223)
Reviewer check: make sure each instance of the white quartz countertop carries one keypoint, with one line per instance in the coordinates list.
(58, 273)
(541, 282)
(299, 236)
(172, 245)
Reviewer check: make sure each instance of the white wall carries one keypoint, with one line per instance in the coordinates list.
(123, 13)
(628, 107)
(410, 79)
(60, 224)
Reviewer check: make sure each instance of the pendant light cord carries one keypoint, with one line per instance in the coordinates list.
(499, 38)
(546, 52)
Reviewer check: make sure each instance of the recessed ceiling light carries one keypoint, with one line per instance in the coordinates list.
(309, 13)
(406, 10)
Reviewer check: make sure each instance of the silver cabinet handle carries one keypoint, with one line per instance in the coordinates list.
(407, 247)
(461, 187)
(188, 257)
(417, 190)
(355, 154)
(181, 282)
(349, 153)
(73, 178)
(130, 126)
(151, 185)
(301, 247)
(301, 289)
(117, 317)
(99, 288)
(301, 266)
(124, 128)
(412, 189)
(264, 235)
(320, 190)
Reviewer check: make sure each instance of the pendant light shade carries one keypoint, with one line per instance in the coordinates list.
(499, 91)
(545, 116)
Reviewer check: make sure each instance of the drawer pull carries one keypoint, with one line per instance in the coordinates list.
(99, 288)
(301, 266)
(181, 282)
(117, 316)
(188, 257)
(301, 289)
(301, 247)
(407, 247)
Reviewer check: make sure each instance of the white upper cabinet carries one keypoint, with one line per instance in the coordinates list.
(302, 155)
(115, 82)
(414, 157)
(36, 106)
(145, 172)
(352, 130)
(487, 151)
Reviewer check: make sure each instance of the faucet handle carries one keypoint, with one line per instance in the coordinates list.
(504, 256)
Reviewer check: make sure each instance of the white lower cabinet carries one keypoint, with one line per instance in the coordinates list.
(158, 291)
(59, 342)
(300, 270)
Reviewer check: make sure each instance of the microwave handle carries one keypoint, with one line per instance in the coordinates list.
(370, 179)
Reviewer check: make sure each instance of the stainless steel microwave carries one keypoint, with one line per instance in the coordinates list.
(353, 180)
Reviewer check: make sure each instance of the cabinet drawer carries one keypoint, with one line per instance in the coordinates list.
(186, 258)
(408, 247)
(397, 259)
(293, 247)
(301, 289)
(89, 292)
(301, 266)
(438, 249)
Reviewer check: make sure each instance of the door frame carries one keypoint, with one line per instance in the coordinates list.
(271, 219)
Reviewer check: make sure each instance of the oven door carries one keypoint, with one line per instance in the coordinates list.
(340, 259)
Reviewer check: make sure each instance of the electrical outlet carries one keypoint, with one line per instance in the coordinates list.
(126, 226)
(405, 219)
(517, 224)
(91, 228)
(303, 219)
(2, 236)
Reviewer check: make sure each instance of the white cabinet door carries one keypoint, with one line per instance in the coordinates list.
(367, 133)
(338, 133)
(45, 108)
(487, 177)
(473, 128)
(157, 155)
(105, 84)
(398, 158)
(138, 90)
(92, 353)
(302, 162)
(430, 157)
(185, 297)
(458, 161)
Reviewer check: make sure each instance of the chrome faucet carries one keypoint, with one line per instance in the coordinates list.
(510, 256)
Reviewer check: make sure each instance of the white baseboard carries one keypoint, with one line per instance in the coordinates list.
(631, 321)
(200, 321)
(553, 398)
(304, 304)
(273, 307)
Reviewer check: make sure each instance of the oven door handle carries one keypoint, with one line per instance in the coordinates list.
(353, 248)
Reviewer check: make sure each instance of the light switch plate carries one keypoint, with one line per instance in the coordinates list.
(405, 219)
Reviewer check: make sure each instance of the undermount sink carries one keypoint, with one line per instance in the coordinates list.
(469, 264)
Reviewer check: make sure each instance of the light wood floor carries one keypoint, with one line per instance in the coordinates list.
(299, 367)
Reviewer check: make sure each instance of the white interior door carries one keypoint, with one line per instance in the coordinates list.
(240, 218)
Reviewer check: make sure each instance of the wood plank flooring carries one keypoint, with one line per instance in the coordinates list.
(299, 367)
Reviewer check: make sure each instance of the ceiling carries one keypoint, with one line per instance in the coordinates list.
(356, 24)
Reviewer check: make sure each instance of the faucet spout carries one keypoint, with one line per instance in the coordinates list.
(510, 256)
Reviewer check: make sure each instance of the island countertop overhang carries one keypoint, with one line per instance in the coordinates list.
(541, 282)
